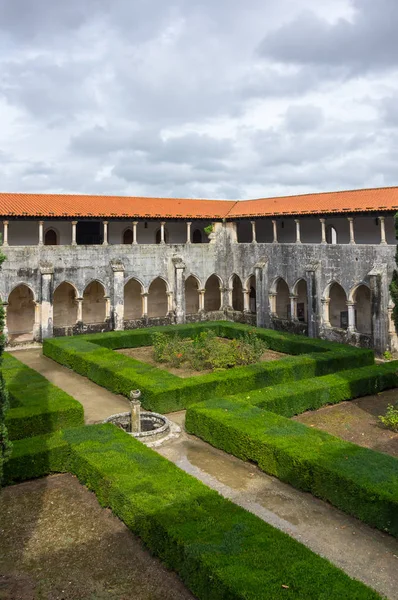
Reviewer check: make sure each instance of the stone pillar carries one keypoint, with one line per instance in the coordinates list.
(226, 298)
(313, 308)
(382, 230)
(275, 232)
(74, 223)
(201, 300)
(262, 302)
(352, 236)
(298, 233)
(105, 240)
(379, 301)
(79, 310)
(170, 307)
(41, 233)
(293, 307)
(135, 223)
(325, 312)
(391, 325)
(351, 316)
(189, 223)
(272, 303)
(107, 308)
(254, 239)
(246, 300)
(162, 224)
(36, 325)
(118, 295)
(144, 297)
(323, 226)
(5, 233)
(5, 328)
(179, 266)
(46, 312)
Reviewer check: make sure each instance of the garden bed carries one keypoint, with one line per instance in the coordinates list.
(357, 421)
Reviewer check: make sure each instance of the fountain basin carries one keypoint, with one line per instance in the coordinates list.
(155, 428)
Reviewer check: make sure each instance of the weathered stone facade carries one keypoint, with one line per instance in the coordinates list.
(335, 291)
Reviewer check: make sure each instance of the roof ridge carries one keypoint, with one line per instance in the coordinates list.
(387, 187)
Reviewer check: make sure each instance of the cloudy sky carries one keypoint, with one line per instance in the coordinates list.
(220, 99)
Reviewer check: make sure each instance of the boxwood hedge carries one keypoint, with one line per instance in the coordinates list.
(36, 406)
(359, 481)
(163, 392)
(220, 551)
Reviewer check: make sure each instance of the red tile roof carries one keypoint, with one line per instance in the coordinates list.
(80, 206)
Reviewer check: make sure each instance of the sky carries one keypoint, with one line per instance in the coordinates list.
(201, 99)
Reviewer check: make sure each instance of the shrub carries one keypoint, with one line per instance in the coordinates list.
(390, 420)
(359, 481)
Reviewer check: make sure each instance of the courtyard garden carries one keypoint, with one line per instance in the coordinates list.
(241, 389)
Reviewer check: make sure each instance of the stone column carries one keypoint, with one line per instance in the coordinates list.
(351, 316)
(313, 308)
(179, 266)
(105, 240)
(391, 325)
(201, 300)
(107, 308)
(272, 303)
(325, 312)
(5, 233)
(189, 223)
(118, 295)
(144, 297)
(262, 303)
(293, 307)
(46, 312)
(79, 302)
(246, 300)
(41, 233)
(162, 224)
(298, 233)
(74, 223)
(379, 301)
(5, 328)
(323, 225)
(170, 307)
(382, 230)
(254, 239)
(135, 223)
(275, 232)
(226, 298)
(37, 323)
(352, 236)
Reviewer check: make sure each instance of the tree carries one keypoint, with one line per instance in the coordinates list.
(394, 282)
(5, 446)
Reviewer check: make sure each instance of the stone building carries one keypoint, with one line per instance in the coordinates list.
(317, 264)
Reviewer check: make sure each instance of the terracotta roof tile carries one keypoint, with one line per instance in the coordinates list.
(68, 206)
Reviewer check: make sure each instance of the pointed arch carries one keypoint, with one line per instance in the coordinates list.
(192, 286)
(250, 285)
(127, 237)
(157, 298)
(363, 312)
(300, 290)
(133, 291)
(21, 313)
(51, 237)
(237, 292)
(213, 293)
(197, 236)
(65, 305)
(94, 303)
(338, 312)
(282, 299)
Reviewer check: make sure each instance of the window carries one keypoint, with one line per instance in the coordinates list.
(50, 238)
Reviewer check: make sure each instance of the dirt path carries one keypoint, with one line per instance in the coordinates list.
(56, 542)
(97, 402)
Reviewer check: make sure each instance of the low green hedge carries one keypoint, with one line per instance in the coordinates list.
(220, 551)
(163, 392)
(293, 398)
(359, 481)
(36, 406)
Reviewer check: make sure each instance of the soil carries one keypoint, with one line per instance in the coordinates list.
(357, 421)
(145, 354)
(57, 543)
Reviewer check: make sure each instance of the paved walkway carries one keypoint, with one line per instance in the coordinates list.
(98, 403)
(364, 553)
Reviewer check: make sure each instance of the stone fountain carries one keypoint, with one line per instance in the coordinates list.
(149, 427)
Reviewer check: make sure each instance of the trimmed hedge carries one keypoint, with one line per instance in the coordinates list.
(309, 394)
(359, 481)
(220, 551)
(163, 392)
(36, 406)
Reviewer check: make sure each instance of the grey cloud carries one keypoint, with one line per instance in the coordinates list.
(303, 118)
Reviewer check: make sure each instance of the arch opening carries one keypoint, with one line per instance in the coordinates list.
(51, 238)
(282, 303)
(157, 298)
(191, 295)
(94, 303)
(338, 312)
(237, 293)
(21, 314)
(302, 302)
(132, 300)
(65, 305)
(363, 312)
(251, 284)
(197, 236)
(212, 294)
(128, 236)
(331, 235)
(158, 236)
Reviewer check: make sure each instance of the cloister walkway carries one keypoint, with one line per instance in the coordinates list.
(364, 553)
